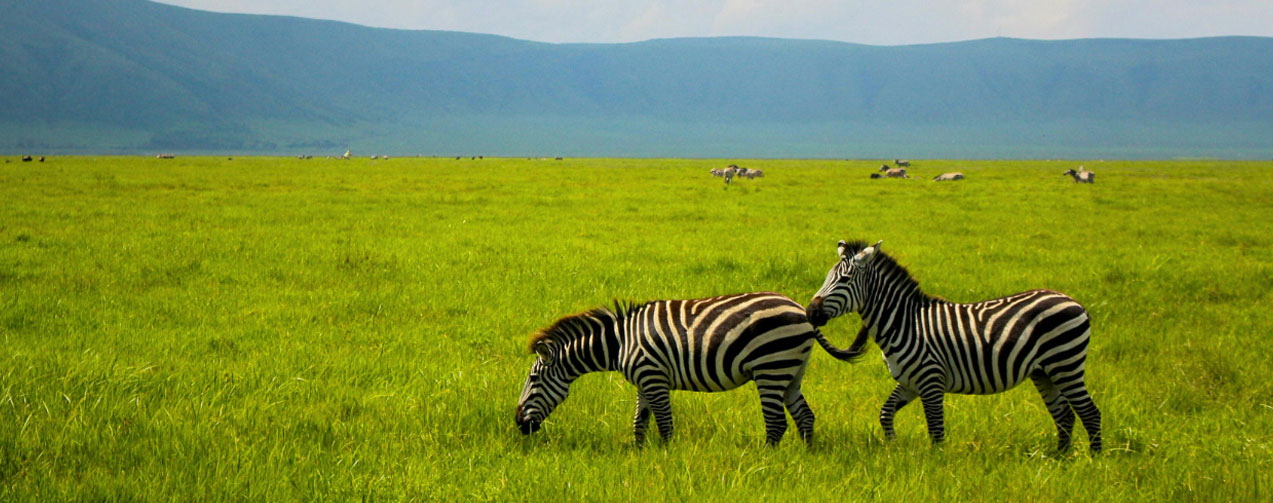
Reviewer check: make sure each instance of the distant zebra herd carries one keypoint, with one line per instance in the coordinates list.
(930, 346)
(886, 171)
(734, 171)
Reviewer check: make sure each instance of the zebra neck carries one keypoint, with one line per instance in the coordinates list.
(596, 350)
(889, 314)
(603, 347)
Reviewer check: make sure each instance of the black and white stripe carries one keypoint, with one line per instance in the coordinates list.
(933, 346)
(712, 344)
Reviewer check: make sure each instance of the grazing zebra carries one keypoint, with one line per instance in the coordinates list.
(717, 172)
(712, 344)
(1082, 176)
(730, 172)
(948, 177)
(893, 172)
(901, 163)
(932, 346)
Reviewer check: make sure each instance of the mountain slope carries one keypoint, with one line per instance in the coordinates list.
(149, 75)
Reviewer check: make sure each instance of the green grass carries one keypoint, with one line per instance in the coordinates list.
(275, 329)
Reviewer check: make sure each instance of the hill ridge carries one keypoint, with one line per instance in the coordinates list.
(135, 76)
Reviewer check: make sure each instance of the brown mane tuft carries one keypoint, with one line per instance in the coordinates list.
(888, 266)
(574, 323)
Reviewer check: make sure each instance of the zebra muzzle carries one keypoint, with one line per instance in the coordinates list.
(525, 423)
(814, 313)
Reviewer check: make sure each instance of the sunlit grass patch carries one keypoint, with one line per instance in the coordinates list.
(272, 329)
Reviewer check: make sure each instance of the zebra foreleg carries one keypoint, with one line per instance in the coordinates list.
(898, 399)
(641, 419)
(660, 403)
(1060, 409)
(934, 413)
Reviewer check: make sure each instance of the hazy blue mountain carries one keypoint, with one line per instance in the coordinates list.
(136, 76)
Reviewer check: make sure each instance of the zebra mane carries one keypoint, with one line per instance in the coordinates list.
(570, 325)
(888, 267)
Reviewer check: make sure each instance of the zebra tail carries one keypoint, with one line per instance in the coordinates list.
(851, 355)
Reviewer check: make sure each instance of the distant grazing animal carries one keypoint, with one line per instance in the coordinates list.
(717, 172)
(752, 174)
(41, 158)
(1082, 175)
(712, 344)
(948, 177)
(901, 163)
(730, 172)
(876, 175)
(932, 346)
(893, 172)
(165, 156)
(26, 158)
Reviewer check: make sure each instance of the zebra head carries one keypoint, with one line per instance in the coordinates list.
(546, 386)
(843, 290)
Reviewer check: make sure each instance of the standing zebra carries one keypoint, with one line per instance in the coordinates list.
(932, 346)
(712, 344)
(1082, 175)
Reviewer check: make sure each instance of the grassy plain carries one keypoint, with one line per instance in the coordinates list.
(277, 329)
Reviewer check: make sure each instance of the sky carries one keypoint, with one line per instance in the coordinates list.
(876, 22)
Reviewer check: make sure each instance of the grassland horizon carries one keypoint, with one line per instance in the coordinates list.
(270, 328)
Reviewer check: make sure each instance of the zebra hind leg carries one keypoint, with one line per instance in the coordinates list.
(800, 412)
(1081, 401)
(772, 393)
(641, 419)
(898, 399)
(1060, 409)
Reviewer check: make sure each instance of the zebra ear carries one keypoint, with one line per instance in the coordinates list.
(867, 254)
(545, 352)
(843, 247)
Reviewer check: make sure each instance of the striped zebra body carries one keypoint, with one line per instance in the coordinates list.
(932, 346)
(713, 344)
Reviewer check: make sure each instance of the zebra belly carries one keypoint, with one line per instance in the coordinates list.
(960, 385)
(709, 386)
